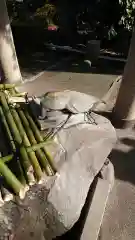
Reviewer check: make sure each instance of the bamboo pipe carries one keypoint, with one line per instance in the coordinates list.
(13, 147)
(8, 86)
(12, 181)
(3, 119)
(32, 139)
(39, 138)
(37, 146)
(16, 134)
(25, 141)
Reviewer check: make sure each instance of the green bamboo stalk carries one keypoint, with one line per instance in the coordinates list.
(37, 146)
(12, 91)
(29, 175)
(39, 138)
(1, 198)
(34, 148)
(13, 147)
(23, 94)
(7, 158)
(8, 86)
(15, 93)
(26, 142)
(3, 119)
(32, 139)
(10, 119)
(10, 178)
(17, 137)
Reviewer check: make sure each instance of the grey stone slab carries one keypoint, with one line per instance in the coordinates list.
(53, 207)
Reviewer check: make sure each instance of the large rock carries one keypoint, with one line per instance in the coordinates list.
(109, 99)
(52, 208)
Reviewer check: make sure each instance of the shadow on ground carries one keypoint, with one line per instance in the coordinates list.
(124, 161)
(36, 62)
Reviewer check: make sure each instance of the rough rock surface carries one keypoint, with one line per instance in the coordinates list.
(109, 99)
(51, 208)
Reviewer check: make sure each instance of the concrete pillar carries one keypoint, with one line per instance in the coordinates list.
(8, 59)
(124, 109)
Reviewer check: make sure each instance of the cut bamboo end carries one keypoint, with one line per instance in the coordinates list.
(23, 191)
(6, 194)
(31, 179)
(8, 197)
(32, 183)
(42, 180)
(26, 187)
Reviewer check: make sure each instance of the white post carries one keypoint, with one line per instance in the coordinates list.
(8, 59)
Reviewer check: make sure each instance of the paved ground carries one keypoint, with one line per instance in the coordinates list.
(119, 218)
(51, 81)
(63, 71)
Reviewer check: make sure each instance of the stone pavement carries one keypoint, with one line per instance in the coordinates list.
(119, 219)
(62, 71)
(93, 84)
